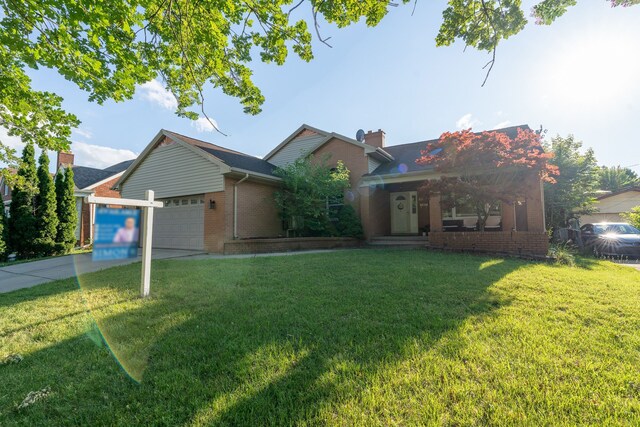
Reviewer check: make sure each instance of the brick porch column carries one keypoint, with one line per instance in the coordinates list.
(435, 212)
(535, 206)
(365, 210)
(508, 216)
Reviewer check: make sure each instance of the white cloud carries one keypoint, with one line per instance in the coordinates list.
(95, 156)
(503, 124)
(154, 92)
(467, 121)
(83, 132)
(10, 141)
(203, 125)
(99, 156)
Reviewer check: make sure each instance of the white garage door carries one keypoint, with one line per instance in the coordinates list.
(180, 223)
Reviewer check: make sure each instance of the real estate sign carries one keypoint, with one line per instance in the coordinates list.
(117, 232)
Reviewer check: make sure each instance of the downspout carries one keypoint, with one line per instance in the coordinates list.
(235, 206)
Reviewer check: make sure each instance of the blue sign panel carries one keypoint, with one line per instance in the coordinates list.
(116, 234)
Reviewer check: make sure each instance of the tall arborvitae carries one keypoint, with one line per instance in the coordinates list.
(45, 207)
(22, 221)
(3, 234)
(66, 209)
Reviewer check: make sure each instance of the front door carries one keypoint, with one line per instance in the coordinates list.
(404, 212)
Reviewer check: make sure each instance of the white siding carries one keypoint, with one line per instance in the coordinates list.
(373, 164)
(173, 170)
(295, 149)
(623, 202)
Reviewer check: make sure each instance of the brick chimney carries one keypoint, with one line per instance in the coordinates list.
(375, 138)
(64, 159)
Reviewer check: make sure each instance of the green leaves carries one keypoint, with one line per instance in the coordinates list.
(480, 24)
(573, 193)
(108, 48)
(307, 185)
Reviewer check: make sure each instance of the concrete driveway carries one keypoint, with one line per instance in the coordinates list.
(33, 273)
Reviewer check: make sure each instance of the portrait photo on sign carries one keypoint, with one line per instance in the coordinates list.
(117, 232)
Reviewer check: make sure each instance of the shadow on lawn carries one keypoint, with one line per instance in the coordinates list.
(261, 345)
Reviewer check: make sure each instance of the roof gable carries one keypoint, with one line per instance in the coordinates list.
(226, 159)
(309, 140)
(298, 133)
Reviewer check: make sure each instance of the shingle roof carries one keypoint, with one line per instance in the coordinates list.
(242, 161)
(231, 158)
(405, 155)
(119, 167)
(84, 176)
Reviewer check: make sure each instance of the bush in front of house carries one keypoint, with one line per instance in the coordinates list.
(308, 187)
(348, 224)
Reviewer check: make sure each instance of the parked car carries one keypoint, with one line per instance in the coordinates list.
(612, 239)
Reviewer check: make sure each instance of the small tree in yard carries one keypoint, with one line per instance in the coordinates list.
(306, 187)
(66, 210)
(574, 191)
(484, 169)
(22, 221)
(45, 208)
(632, 217)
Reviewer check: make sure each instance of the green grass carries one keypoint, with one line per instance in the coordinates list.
(370, 337)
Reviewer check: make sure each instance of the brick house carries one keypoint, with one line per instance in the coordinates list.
(90, 181)
(214, 196)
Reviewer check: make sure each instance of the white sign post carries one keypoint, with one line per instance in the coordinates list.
(147, 205)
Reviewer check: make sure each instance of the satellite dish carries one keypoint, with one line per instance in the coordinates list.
(360, 135)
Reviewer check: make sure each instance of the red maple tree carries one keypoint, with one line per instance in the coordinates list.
(486, 168)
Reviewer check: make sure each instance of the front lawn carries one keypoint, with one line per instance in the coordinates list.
(367, 337)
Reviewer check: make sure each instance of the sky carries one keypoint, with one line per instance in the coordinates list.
(578, 76)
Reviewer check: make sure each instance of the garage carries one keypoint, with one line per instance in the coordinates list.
(180, 223)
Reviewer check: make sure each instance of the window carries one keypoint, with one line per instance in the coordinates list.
(176, 202)
(194, 201)
(185, 202)
(465, 208)
(167, 203)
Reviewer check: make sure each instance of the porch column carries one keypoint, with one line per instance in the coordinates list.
(435, 212)
(508, 216)
(535, 205)
(365, 211)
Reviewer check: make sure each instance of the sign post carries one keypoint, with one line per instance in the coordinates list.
(145, 283)
(147, 206)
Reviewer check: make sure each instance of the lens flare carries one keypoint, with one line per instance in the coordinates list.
(113, 305)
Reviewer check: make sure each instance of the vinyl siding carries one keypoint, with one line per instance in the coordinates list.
(373, 164)
(623, 202)
(173, 170)
(295, 149)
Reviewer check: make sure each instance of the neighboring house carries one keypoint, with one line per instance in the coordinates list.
(5, 191)
(213, 195)
(609, 206)
(90, 181)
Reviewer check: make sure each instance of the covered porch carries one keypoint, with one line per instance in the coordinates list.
(398, 206)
